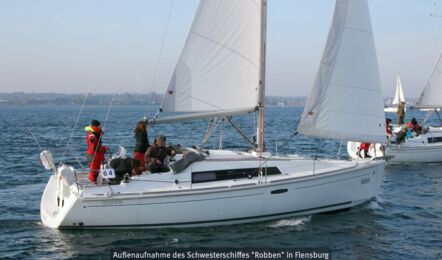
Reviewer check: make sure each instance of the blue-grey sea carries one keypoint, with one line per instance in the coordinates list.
(405, 222)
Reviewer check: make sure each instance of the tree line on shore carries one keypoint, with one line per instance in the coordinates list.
(23, 98)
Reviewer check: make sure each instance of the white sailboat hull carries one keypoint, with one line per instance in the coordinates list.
(429, 109)
(414, 150)
(392, 110)
(425, 153)
(334, 185)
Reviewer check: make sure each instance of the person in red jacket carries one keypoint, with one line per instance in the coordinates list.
(414, 126)
(95, 150)
(363, 150)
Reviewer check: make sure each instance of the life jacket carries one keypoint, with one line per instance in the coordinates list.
(93, 139)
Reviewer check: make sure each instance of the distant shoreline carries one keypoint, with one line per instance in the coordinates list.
(123, 99)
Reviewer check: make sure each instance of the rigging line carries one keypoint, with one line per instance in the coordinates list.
(77, 159)
(221, 135)
(283, 144)
(161, 51)
(339, 151)
(35, 140)
(104, 126)
(292, 135)
(262, 162)
(75, 126)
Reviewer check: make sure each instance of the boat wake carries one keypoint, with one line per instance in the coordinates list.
(290, 222)
(376, 204)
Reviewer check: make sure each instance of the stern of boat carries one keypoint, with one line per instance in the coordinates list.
(58, 198)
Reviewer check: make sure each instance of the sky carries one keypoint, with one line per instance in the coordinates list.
(112, 46)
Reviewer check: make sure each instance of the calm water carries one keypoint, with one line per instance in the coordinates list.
(404, 223)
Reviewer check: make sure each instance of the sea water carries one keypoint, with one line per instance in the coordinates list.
(404, 222)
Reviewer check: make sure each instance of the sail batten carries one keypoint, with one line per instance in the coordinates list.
(219, 66)
(431, 96)
(346, 101)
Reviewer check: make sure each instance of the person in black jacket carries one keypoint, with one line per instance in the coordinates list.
(141, 142)
(123, 166)
(156, 155)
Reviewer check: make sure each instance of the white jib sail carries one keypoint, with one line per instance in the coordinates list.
(432, 94)
(219, 66)
(346, 101)
(399, 95)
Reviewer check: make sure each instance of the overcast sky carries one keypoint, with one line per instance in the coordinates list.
(112, 45)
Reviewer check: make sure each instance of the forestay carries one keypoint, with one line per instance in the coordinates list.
(399, 95)
(346, 101)
(431, 96)
(219, 67)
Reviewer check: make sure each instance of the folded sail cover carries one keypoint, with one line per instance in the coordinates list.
(346, 101)
(219, 66)
(431, 96)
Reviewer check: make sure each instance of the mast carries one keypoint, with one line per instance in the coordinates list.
(262, 79)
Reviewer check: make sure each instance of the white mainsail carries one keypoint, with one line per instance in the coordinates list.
(399, 95)
(219, 67)
(346, 101)
(431, 96)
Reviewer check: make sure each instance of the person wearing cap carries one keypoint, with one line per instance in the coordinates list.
(95, 150)
(156, 154)
(141, 142)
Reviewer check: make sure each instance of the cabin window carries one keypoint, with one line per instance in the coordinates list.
(233, 174)
(434, 139)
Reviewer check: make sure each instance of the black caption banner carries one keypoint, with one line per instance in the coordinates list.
(223, 253)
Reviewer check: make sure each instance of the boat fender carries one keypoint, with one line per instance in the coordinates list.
(47, 160)
(176, 181)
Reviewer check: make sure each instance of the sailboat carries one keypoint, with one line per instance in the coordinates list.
(398, 97)
(220, 74)
(431, 96)
(423, 148)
